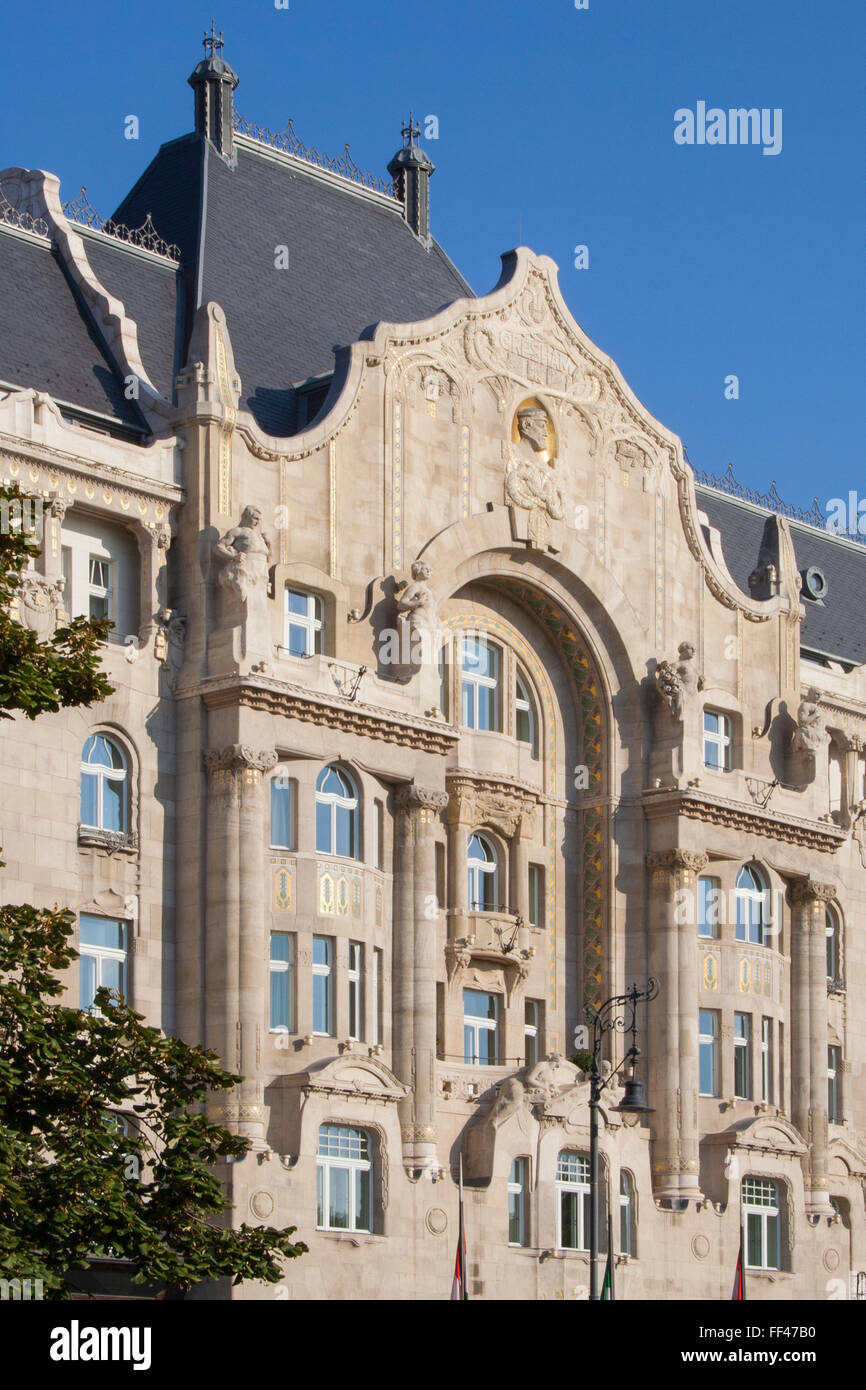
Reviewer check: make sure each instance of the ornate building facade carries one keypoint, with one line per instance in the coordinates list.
(447, 703)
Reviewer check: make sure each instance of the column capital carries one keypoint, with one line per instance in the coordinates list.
(238, 757)
(808, 890)
(677, 861)
(411, 797)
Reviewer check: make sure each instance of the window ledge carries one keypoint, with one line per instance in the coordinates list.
(357, 1238)
(114, 841)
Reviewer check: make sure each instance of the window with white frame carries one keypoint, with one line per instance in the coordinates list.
(834, 972)
(481, 663)
(517, 1184)
(323, 986)
(532, 1032)
(378, 1009)
(483, 870)
(104, 785)
(304, 622)
(282, 983)
(573, 1195)
(102, 958)
(626, 1213)
(356, 975)
(101, 604)
(282, 812)
(834, 1085)
(536, 895)
(767, 1061)
(752, 908)
(344, 1179)
(480, 1028)
(378, 834)
(708, 1051)
(761, 1222)
(709, 903)
(337, 813)
(743, 1056)
(717, 741)
(525, 722)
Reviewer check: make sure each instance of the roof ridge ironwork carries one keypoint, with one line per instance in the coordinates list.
(144, 238)
(771, 501)
(290, 142)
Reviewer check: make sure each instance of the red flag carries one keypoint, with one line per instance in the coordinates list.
(459, 1290)
(739, 1293)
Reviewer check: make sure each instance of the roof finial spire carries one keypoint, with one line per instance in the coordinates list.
(410, 132)
(213, 41)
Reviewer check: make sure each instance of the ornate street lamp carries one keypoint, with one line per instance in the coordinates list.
(617, 1014)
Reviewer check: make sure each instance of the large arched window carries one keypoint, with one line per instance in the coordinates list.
(337, 813)
(104, 785)
(752, 905)
(525, 721)
(483, 874)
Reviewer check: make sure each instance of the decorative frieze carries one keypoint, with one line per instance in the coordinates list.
(718, 810)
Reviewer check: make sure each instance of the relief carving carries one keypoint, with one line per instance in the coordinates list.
(531, 491)
(679, 681)
(40, 604)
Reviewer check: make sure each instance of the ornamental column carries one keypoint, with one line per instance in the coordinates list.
(420, 808)
(809, 1033)
(672, 1023)
(236, 947)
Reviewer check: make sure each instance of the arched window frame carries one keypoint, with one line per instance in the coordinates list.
(833, 932)
(627, 1214)
(482, 874)
(525, 712)
(117, 775)
(336, 803)
(751, 896)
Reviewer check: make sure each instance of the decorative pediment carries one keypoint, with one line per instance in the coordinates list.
(352, 1075)
(846, 1160)
(768, 1134)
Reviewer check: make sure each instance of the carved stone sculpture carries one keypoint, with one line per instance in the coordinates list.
(243, 555)
(169, 643)
(810, 733)
(530, 483)
(416, 601)
(678, 681)
(40, 604)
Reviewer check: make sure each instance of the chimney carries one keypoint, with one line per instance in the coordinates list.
(214, 82)
(411, 169)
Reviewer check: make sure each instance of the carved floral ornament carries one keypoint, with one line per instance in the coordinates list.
(239, 757)
(504, 811)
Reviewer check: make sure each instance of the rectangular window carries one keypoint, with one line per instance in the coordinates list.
(323, 986)
(480, 1028)
(303, 623)
(626, 1214)
(709, 905)
(767, 1061)
(480, 663)
(717, 741)
(378, 834)
(102, 958)
(344, 1180)
(834, 1090)
(536, 895)
(282, 973)
(282, 813)
(356, 959)
(99, 588)
(708, 1046)
(532, 1032)
(378, 1010)
(517, 1202)
(572, 1181)
(832, 949)
(743, 1056)
(761, 1222)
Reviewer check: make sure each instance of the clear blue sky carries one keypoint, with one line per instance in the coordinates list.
(556, 129)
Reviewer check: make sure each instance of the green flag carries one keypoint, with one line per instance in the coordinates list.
(607, 1287)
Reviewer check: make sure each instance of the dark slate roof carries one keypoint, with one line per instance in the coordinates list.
(47, 337)
(352, 262)
(149, 290)
(835, 627)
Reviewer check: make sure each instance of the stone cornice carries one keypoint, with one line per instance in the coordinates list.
(353, 717)
(55, 466)
(718, 810)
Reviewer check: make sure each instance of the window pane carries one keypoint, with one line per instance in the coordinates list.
(321, 1012)
(279, 999)
(569, 1210)
(523, 726)
(112, 974)
(468, 705)
(320, 1204)
(477, 1005)
(363, 1204)
(468, 1043)
(773, 1261)
(86, 980)
(113, 797)
(323, 828)
(345, 832)
(338, 1204)
(89, 804)
(297, 602)
(102, 931)
(321, 950)
(754, 1243)
(281, 814)
(487, 1047)
(486, 708)
(280, 945)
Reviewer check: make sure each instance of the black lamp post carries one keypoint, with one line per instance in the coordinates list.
(617, 1014)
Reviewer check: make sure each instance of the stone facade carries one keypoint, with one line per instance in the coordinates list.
(485, 471)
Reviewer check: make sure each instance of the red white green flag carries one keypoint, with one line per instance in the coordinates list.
(739, 1293)
(459, 1291)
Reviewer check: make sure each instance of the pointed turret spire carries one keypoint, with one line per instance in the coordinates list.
(214, 82)
(411, 169)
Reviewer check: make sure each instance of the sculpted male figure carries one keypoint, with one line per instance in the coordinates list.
(243, 554)
(809, 734)
(530, 483)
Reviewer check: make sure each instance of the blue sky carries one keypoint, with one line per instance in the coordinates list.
(556, 129)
